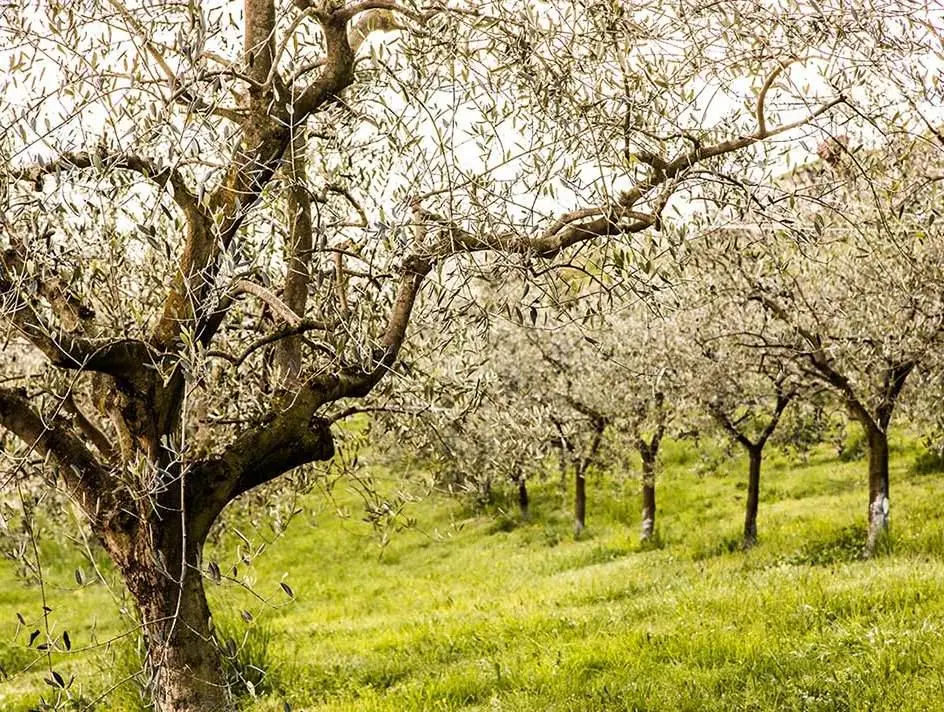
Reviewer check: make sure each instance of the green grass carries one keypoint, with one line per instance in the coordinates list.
(480, 611)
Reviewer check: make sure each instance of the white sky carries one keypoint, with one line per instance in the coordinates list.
(712, 103)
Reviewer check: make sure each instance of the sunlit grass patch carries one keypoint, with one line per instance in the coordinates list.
(463, 613)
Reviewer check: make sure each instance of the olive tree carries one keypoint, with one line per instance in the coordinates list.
(217, 223)
(645, 348)
(744, 388)
(518, 421)
(594, 393)
(469, 423)
(847, 274)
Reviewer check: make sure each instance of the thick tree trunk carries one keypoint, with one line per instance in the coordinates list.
(755, 456)
(157, 544)
(580, 502)
(878, 488)
(183, 660)
(524, 501)
(648, 499)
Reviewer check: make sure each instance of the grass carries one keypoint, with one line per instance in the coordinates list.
(481, 611)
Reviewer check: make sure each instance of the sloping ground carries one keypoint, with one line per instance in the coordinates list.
(484, 612)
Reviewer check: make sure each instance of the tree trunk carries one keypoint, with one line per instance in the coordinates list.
(563, 474)
(878, 489)
(183, 660)
(298, 255)
(524, 501)
(755, 455)
(485, 490)
(648, 498)
(580, 502)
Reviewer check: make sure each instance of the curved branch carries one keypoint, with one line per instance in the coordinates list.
(783, 400)
(258, 455)
(118, 358)
(728, 425)
(85, 478)
(91, 431)
(278, 307)
(337, 71)
(819, 360)
(297, 435)
(456, 239)
(102, 159)
(301, 327)
(617, 218)
(760, 111)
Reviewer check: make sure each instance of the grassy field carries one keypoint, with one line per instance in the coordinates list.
(481, 611)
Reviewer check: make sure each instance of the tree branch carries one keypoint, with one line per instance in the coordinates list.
(91, 431)
(72, 313)
(85, 478)
(298, 254)
(303, 326)
(819, 360)
(278, 307)
(893, 383)
(117, 358)
(265, 136)
(258, 455)
(616, 218)
(783, 400)
(102, 160)
(722, 418)
(760, 111)
(349, 12)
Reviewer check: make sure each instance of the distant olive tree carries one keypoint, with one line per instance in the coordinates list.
(845, 264)
(744, 389)
(585, 397)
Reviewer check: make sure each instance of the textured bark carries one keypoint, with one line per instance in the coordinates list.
(648, 511)
(160, 565)
(298, 256)
(183, 660)
(878, 488)
(755, 456)
(160, 556)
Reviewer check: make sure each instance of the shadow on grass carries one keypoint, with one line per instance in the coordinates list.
(838, 546)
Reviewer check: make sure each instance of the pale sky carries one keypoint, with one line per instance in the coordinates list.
(711, 104)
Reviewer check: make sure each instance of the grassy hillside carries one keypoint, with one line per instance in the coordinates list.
(480, 611)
